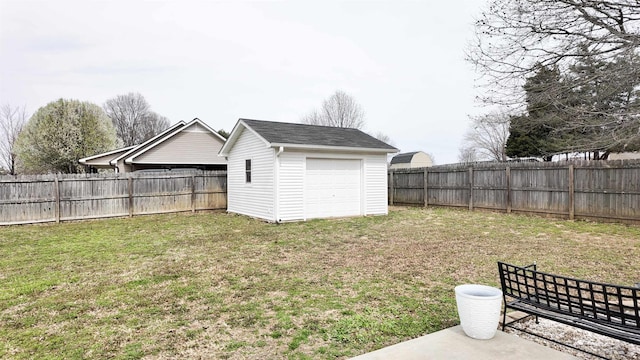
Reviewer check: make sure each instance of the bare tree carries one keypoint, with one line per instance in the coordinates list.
(487, 137)
(12, 121)
(594, 44)
(313, 118)
(467, 154)
(383, 137)
(154, 124)
(514, 37)
(133, 119)
(339, 110)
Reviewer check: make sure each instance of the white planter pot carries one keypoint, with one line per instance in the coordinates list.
(479, 310)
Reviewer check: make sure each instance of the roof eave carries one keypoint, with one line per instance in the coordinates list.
(100, 166)
(112, 152)
(222, 162)
(334, 148)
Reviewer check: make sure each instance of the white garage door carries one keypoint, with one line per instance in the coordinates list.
(332, 188)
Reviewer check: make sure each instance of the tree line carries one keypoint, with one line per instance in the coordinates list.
(564, 76)
(60, 133)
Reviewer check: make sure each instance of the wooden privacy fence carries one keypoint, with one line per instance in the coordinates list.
(48, 198)
(583, 189)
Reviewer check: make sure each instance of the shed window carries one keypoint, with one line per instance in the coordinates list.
(247, 170)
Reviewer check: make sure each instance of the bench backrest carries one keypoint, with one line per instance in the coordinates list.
(589, 300)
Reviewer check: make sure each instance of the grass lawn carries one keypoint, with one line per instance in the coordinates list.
(213, 285)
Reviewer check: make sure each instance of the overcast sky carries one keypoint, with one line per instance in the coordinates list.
(403, 62)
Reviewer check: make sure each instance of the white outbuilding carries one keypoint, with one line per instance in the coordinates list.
(287, 172)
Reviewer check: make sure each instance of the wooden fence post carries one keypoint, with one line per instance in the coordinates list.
(193, 193)
(508, 180)
(130, 181)
(426, 187)
(391, 187)
(57, 194)
(471, 188)
(572, 198)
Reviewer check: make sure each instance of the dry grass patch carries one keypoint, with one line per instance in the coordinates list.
(213, 285)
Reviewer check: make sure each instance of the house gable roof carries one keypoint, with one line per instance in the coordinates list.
(193, 123)
(142, 146)
(308, 136)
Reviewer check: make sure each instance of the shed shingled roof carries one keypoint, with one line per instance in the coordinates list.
(403, 158)
(302, 134)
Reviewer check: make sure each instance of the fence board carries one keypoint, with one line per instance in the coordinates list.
(489, 189)
(448, 188)
(32, 199)
(211, 192)
(617, 188)
(582, 189)
(408, 187)
(39, 206)
(540, 190)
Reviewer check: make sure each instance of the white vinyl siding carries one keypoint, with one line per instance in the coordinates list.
(294, 192)
(192, 145)
(291, 186)
(256, 198)
(375, 191)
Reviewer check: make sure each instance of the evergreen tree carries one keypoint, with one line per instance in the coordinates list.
(604, 113)
(587, 109)
(531, 135)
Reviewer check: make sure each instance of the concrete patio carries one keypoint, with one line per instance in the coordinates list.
(453, 344)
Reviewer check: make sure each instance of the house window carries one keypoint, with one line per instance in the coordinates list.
(247, 170)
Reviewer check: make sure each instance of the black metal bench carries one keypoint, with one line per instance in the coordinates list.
(605, 309)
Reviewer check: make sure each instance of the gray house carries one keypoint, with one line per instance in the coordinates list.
(287, 172)
(183, 145)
